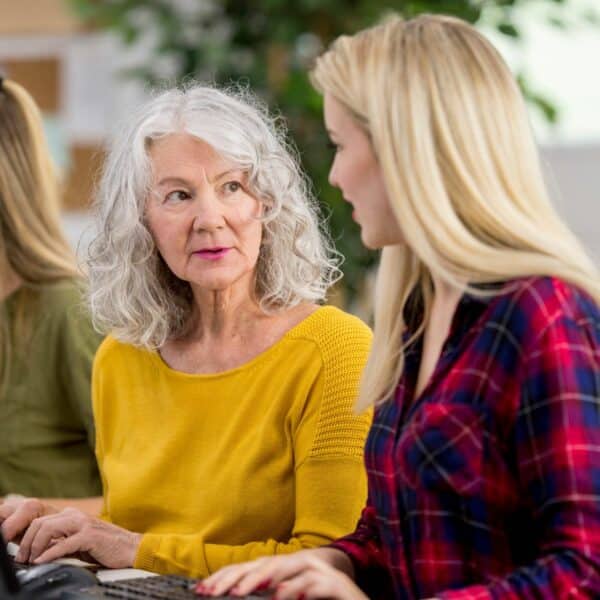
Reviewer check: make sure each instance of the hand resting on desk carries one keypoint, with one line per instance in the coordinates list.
(16, 513)
(48, 534)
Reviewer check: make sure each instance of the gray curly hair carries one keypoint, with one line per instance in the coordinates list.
(132, 293)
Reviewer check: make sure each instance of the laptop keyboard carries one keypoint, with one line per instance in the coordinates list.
(165, 586)
(162, 587)
(17, 566)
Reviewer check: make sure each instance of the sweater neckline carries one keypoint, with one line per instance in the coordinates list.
(308, 322)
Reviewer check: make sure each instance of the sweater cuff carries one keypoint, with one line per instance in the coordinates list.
(146, 555)
(172, 554)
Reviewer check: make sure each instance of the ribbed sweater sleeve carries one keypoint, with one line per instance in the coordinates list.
(335, 429)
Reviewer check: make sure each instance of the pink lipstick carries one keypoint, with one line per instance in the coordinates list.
(212, 253)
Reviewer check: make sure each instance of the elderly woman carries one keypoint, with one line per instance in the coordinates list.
(223, 396)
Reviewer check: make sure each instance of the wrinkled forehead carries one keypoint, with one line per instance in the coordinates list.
(184, 155)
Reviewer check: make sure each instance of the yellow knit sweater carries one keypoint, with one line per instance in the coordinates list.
(214, 469)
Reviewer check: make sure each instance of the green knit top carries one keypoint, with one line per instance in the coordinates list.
(46, 422)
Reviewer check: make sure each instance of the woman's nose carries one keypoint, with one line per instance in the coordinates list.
(332, 178)
(208, 213)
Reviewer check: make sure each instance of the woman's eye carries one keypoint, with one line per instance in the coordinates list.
(177, 196)
(232, 186)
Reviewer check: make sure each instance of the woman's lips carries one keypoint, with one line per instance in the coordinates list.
(212, 253)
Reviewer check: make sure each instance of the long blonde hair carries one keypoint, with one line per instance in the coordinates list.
(32, 244)
(449, 128)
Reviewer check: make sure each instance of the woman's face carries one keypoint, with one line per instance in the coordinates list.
(356, 172)
(203, 218)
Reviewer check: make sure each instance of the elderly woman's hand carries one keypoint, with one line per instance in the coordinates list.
(17, 513)
(74, 532)
(318, 573)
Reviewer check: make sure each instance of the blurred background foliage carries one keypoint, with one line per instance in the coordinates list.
(270, 45)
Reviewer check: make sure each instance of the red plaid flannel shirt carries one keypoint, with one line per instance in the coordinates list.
(487, 486)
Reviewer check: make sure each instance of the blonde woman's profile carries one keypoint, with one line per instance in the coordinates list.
(484, 372)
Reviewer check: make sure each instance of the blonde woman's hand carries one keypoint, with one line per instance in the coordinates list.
(17, 513)
(73, 532)
(318, 573)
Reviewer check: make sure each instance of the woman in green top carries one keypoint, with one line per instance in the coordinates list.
(46, 340)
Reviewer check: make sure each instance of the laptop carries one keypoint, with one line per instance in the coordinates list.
(76, 583)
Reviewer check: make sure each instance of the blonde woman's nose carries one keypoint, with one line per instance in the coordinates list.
(333, 178)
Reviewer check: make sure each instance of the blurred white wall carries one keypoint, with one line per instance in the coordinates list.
(573, 177)
(562, 64)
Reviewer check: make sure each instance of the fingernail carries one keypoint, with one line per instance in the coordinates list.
(203, 589)
(263, 585)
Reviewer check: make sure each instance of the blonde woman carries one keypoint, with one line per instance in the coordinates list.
(46, 340)
(483, 460)
(223, 398)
